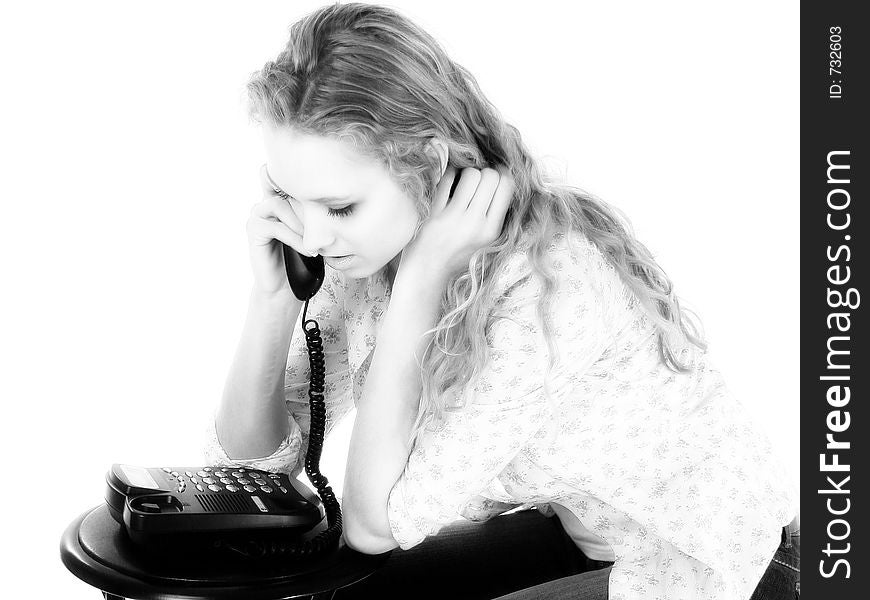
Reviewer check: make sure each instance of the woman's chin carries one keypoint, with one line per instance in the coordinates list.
(360, 269)
(357, 271)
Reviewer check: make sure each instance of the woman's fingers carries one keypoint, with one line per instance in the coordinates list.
(273, 217)
(464, 193)
(442, 190)
(501, 201)
(263, 231)
(282, 233)
(275, 207)
(486, 187)
(484, 194)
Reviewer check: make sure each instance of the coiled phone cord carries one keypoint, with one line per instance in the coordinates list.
(328, 537)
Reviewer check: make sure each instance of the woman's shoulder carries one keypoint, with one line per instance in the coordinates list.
(579, 269)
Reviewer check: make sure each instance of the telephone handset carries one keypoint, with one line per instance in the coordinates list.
(247, 513)
(304, 273)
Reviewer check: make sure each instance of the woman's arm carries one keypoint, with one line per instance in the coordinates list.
(379, 444)
(252, 418)
(458, 225)
(289, 394)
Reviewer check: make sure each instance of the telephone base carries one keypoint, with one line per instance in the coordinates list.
(97, 551)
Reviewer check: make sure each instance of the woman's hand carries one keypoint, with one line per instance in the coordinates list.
(272, 222)
(461, 224)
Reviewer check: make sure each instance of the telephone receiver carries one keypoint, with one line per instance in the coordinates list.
(304, 273)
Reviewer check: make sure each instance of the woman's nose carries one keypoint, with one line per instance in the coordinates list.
(316, 236)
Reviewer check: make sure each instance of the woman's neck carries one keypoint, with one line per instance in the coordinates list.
(392, 268)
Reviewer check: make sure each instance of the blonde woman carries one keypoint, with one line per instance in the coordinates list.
(507, 345)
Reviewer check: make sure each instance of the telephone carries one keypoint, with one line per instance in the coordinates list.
(246, 513)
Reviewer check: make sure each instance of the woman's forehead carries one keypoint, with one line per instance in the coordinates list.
(316, 166)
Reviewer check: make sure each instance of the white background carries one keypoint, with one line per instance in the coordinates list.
(129, 167)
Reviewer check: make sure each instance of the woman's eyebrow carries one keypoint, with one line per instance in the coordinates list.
(323, 199)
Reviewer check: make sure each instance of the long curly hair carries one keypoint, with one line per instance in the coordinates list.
(368, 75)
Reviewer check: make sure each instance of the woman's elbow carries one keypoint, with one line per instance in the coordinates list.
(363, 540)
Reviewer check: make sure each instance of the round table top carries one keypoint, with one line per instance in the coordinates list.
(97, 550)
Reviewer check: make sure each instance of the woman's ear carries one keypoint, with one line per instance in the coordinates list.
(437, 146)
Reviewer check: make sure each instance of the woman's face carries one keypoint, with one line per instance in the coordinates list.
(347, 203)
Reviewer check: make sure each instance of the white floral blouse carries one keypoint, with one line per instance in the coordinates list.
(666, 468)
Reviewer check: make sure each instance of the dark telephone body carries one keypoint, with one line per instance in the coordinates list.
(153, 503)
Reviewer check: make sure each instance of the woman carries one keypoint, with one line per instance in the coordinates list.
(511, 344)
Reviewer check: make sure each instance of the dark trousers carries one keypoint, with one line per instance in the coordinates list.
(525, 556)
(469, 560)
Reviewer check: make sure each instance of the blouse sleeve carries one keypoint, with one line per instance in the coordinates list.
(452, 464)
(327, 307)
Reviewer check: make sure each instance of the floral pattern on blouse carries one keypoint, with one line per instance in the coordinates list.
(667, 468)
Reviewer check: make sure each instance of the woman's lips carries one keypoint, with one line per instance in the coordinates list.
(338, 261)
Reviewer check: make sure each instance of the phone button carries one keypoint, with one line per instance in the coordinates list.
(200, 488)
(250, 488)
(233, 488)
(214, 488)
(266, 489)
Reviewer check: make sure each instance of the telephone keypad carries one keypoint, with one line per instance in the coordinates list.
(231, 478)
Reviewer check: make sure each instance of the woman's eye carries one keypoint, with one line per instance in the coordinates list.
(341, 212)
(333, 212)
